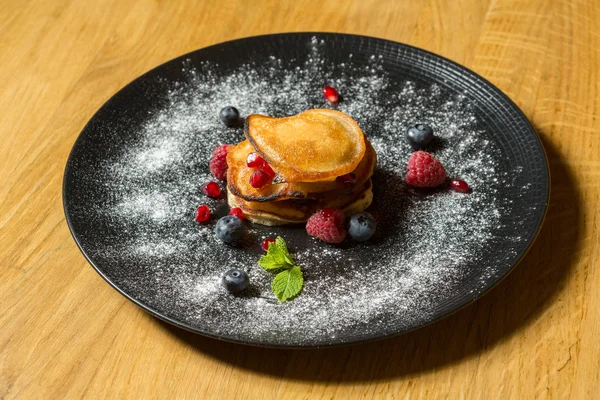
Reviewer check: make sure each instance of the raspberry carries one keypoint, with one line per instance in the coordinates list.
(237, 212)
(327, 225)
(424, 170)
(218, 162)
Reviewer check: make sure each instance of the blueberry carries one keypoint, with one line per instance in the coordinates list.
(230, 116)
(229, 229)
(419, 135)
(235, 280)
(362, 226)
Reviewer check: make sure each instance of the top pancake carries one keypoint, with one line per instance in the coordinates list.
(238, 179)
(315, 145)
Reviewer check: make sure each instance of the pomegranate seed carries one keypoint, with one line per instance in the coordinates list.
(459, 186)
(237, 212)
(266, 168)
(265, 243)
(331, 94)
(202, 213)
(259, 179)
(211, 189)
(254, 160)
(348, 179)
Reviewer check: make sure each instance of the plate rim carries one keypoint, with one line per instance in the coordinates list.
(468, 300)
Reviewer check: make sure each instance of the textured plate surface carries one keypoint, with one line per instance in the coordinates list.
(133, 177)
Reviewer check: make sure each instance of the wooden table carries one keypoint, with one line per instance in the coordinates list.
(65, 333)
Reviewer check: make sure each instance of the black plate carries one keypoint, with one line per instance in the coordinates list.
(132, 183)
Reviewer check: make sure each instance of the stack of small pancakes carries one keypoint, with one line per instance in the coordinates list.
(320, 157)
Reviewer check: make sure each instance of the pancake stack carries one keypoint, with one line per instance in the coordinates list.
(320, 159)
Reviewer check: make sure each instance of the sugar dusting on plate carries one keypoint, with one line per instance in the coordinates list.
(427, 243)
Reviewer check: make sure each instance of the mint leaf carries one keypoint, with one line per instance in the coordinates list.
(280, 243)
(273, 263)
(277, 257)
(288, 284)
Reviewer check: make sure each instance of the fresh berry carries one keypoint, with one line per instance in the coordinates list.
(265, 243)
(348, 179)
(218, 162)
(331, 94)
(259, 179)
(237, 212)
(230, 116)
(211, 189)
(459, 186)
(235, 280)
(202, 214)
(327, 225)
(424, 170)
(419, 136)
(229, 229)
(362, 226)
(266, 168)
(254, 160)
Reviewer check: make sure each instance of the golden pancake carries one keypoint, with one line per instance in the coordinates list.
(295, 211)
(238, 179)
(315, 145)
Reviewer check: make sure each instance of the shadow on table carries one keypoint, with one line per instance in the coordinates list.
(515, 303)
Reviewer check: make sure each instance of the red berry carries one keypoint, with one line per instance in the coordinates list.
(259, 179)
(218, 162)
(331, 94)
(459, 186)
(348, 179)
(211, 189)
(266, 168)
(237, 212)
(254, 160)
(327, 225)
(424, 170)
(202, 214)
(265, 243)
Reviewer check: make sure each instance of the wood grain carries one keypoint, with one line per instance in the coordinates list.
(66, 334)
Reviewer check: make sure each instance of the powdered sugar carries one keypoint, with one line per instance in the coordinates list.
(428, 242)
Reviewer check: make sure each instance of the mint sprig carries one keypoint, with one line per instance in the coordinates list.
(289, 281)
